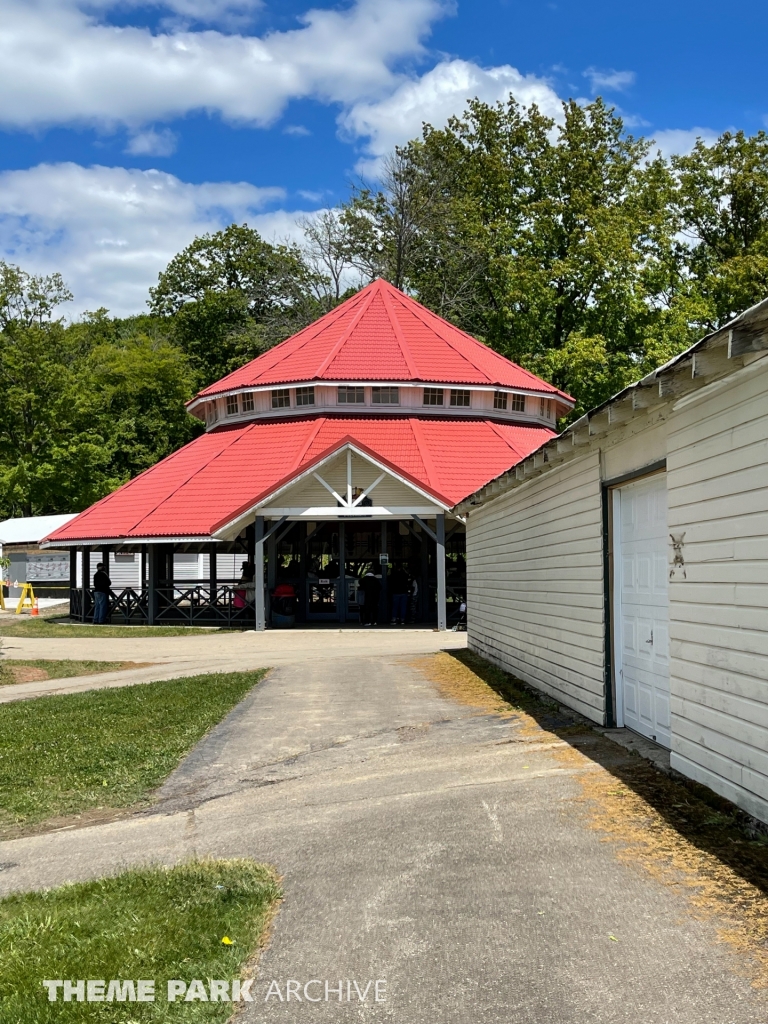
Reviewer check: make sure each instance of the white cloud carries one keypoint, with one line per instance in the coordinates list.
(434, 97)
(613, 81)
(678, 141)
(110, 230)
(60, 65)
(153, 143)
(296, 129)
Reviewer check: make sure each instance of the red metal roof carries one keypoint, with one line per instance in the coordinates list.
(382, 334)
(210, 481)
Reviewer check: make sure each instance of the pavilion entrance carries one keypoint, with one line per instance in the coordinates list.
(326, 561)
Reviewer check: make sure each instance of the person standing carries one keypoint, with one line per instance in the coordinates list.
(101, 586)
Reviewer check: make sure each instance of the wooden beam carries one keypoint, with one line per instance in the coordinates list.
(598, 423)
(742, 341)
(645, 397)
(620, 412)
(711, 361)
(677, 383)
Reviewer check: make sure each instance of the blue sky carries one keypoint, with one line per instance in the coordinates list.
(127, 128)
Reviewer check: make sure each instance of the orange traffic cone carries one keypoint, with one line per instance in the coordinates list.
(34, 609)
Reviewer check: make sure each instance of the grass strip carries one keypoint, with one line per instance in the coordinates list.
(50, 627)
(66, 754)
(152, 923)
(13, 670)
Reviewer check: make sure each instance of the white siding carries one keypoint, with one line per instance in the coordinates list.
(718, 497)
(535, 584)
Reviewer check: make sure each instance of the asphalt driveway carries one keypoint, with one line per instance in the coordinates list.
(424, 845)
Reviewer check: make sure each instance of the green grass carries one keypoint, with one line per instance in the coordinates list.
(83, 752)
(50, 627)
(62, 669)
(152, 923)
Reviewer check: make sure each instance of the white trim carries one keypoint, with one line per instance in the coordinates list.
(312, 470)
(618, 637)
(89, 542)
(259, 388)
(368, 512)
(717, 385)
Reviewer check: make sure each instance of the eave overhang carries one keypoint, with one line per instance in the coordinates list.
(708, 364)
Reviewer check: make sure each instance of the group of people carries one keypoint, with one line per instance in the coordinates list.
(403, 590)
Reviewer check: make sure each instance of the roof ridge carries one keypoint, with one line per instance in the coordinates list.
(417, 308)
(238, 437)
(319, 325)
(400, 337)
(313, 434)
(345, 335)
(497, 430)
(426, 458)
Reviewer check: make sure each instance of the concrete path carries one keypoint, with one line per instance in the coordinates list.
(170, 657)
(422, 844)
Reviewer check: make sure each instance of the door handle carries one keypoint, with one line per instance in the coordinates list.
(651, 640)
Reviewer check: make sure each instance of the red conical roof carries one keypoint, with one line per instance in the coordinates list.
(380, 334)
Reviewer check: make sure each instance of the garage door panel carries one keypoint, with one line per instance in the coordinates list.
(643, 607)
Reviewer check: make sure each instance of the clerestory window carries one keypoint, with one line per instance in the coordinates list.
(351, 395)
(305, 396)
(385, 396)
(433, 396)
(459, 397)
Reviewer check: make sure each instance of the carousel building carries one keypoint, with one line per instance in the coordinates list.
(337, 454)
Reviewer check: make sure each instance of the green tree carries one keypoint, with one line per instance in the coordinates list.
(543, 239)
(85, 406)
(231, 295)
(722, 203)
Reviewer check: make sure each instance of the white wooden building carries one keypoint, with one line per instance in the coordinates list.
(622, 568)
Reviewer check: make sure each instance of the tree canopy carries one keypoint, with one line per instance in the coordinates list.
(231, 295)
(84, 407)
(569, 246)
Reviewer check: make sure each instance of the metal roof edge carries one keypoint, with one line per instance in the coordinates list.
(751, 318)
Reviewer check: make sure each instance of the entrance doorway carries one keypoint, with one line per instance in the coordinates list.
(325, 561)
(641, 608)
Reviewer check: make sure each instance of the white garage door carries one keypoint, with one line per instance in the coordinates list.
(642, 608)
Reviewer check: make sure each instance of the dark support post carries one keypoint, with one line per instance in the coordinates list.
(86, 584)
(261, 623)
(271, 569)
(213, 581)
(155, 553)
(384, 609)
(72, 577)
(424, 602)
(303, 556)
(341, 582)
(442, 613)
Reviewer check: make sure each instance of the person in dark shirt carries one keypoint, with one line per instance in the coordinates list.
(101, 585)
